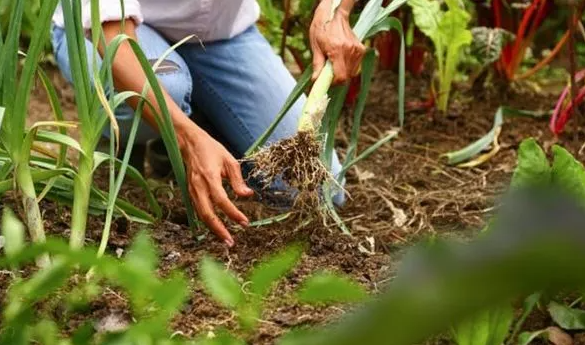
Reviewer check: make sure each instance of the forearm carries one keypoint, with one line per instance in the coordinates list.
(128, 75)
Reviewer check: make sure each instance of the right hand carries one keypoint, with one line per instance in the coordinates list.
(208, 163)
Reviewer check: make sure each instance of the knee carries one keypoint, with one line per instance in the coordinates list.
(176, 80)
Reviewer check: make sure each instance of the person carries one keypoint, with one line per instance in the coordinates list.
(223, 87)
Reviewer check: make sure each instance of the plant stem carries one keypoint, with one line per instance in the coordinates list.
(310, 114)
(34, 220)
(81, 192)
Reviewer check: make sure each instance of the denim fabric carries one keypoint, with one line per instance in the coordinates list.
(234, 87)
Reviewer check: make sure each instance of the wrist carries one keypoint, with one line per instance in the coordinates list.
(187, 132)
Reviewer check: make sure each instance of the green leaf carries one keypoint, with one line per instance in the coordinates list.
(490, 327)
(58, 138)
(264, 275)
(567, 318)
(427, 15)
(533, 168)
(526, 338)
(222, 337)
(527, 307)
(330, 288)
(473, 149)
(13, 232)
(454, 36)
(220, 283)
(568, 173)
(142, 255)
(488, 43)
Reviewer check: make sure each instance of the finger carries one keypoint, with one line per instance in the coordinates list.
(340, 73)
(221, 200)
(207, 214)
(234, 174)
(318, 62)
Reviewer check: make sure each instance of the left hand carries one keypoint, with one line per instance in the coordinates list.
(334, 40)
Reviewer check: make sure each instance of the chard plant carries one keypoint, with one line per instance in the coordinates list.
(304, 161)
(448, 30)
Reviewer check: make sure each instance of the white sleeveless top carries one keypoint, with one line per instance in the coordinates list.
(209, 20)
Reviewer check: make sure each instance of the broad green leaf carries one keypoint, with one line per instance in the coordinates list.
(526, 338)
(568, 173)
(46, 332)
(488, 43)
(330, 288)
(220, 283)
(533, 168)
(142, 255)
(264, 275)
(490, 327)
(454, 36)
(171, 295)
(567, 318)
(13, 232)
(427, 15)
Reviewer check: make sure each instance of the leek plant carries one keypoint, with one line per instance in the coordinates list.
(303, 161)
(94, 111)
(15, 90)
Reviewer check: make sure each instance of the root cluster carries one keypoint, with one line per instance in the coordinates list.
(297, 162)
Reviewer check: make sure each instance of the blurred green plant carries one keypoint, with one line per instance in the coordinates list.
(285, 24)
(154, 301)
(29, 18)
(247, 299)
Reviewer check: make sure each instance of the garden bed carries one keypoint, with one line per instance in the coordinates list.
(399, 195)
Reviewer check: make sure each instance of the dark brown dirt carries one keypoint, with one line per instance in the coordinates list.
(401, 193)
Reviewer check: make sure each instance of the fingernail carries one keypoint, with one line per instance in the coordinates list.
(244, 223)
(229, 243)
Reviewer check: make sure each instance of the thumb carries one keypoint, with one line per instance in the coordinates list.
(318, 63)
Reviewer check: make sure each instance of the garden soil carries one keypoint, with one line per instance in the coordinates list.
(401, 194)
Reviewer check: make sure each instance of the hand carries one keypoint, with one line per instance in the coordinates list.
(334, 40)
(208, 163)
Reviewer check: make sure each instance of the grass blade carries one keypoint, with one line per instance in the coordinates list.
(367, 152)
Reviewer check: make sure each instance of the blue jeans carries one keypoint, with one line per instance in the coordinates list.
(233, 88)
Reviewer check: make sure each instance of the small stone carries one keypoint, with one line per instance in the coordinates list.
(173, 256)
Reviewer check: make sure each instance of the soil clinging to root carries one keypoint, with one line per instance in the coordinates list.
(295, 160)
